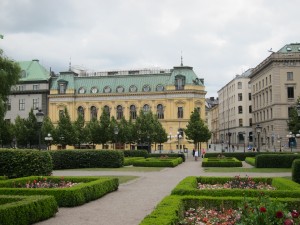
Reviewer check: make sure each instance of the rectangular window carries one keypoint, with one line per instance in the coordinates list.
(21, 88)
(21, 104)
(290, 92)
(35, 103)
(250, 122)
(36, 87)
(240, 122)
(249, 96)
(290, 76)
(62, 89)
(180, 112)
(240, 97)
(8, 105)
(250, 108)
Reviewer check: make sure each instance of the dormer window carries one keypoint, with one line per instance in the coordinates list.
(179, 82)
(62, 86)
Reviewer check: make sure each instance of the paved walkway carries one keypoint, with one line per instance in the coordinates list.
(133, 200)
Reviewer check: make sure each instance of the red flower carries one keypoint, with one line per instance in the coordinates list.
(295, 214)
(288, 222)
(279, 214)
(262, 209)
(45, 178)
(34, 181)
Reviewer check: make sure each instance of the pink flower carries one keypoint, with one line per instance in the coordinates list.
(279, 214)
(262, 209)
(295, 214)
(288, 222)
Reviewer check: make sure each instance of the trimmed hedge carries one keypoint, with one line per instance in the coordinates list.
(72, 159)
(22, 163)
(171, 155)
(285, 188)
(89, 188)
(240, 155)
(296, 171)
(250, 160)
(221, 162)
(275, 160)
(129, 160)
(157, 162)
(135, 153)
(171, 209)
(23, 210)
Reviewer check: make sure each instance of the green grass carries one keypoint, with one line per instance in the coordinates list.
(248, 170)
(125, 168)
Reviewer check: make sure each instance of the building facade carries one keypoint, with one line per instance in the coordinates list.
(170, 94)
(31, 92)
(275, 86)
(235, 112)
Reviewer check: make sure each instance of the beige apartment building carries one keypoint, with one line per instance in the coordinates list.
(235, 113)
(275, 87)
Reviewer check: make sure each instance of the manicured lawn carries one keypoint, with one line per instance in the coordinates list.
(248, 170)
(125, 168)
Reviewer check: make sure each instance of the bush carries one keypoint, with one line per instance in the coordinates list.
(22, 163)
(221, 162)
(135, 153)
(275, 160)
(23, 210)
(72, 159)
(157, 162)
(129, 160)
(240, 155)
(172, 155)
(89, 188)
(250, 160)
(296, 171)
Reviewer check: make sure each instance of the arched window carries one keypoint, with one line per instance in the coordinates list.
(146, 108)
(106, 109)
(160, 111)
(93, 112)
(179, 82)
(80, 111)
(133, 112)
(119, 112)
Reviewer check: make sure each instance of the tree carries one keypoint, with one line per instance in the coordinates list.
(196, 130)
(6, 133)
(9, 76)
(32, 130)
(64, 133)
(294, 120)
(80, 131)
(104, 135)
(20, 131)
(92, 130)
(160, 134)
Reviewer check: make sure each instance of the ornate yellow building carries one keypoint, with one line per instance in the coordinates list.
(170, 94)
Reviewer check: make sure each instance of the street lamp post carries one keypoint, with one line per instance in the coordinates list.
(39, 118)
(244, 136)
(292, 140)
(170, 138)
(258, 131)
(116, 131)
(48, 140)
(178, 138)
(229, 135)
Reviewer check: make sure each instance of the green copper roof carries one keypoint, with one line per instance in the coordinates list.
(33, 71)
(113, 83)
(293, 47)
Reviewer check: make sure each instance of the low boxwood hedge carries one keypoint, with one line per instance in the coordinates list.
(158, 162)
(221, 162)
(275, 160)
(89, 188)
(250, 160)
(21, 163)
(72, 159)
(296, 171)
(239, 155)
(23, 210)
(171, 209)
(172, 155)
(284, 187)
(129, 160)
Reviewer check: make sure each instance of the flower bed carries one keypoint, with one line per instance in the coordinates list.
(87, 189)
(221, 162)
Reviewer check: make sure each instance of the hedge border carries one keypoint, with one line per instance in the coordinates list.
(296, 170)
(188, 186)
(171, 155)
(250, 161)
(221, 162)
(156, 162)
(92, 188)
(23, 210)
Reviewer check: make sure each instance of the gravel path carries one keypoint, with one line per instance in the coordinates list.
(133, 200)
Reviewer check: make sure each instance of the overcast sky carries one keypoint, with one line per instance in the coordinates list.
(219, 38)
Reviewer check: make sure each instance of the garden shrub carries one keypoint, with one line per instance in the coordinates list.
(135, 153)
(23, 210)
(172, 155)
(221, 162)
(296, 171)
(275, 160)
(250, 160)
(129, 160)
(72, 159)
(158, 162)
(22, 163)
(239, 155)
(89, 188)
